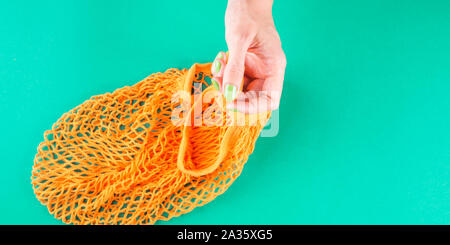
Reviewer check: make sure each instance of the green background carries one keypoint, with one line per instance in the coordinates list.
(364, 119)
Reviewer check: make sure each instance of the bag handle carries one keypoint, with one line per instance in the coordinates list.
(225, 143)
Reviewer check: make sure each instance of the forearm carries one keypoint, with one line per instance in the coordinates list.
(262, 4)
(258, 8)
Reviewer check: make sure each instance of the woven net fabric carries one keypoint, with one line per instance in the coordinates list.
(122, 158)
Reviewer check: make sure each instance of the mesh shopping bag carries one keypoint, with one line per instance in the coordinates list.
(147, 152)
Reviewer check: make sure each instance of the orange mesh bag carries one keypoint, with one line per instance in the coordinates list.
(126, 157)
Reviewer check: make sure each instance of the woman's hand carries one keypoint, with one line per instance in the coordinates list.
(251, 77)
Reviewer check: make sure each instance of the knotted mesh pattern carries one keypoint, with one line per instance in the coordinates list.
(118, 158)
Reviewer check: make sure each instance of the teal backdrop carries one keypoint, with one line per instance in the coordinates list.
(364, 120)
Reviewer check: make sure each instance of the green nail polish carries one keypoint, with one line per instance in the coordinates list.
(230, 92)
(215, 84)
(216, 66)
(219, 55)
(235, 110)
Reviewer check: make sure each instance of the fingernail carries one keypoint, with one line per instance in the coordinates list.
(230, 92)
(220, 55)
(216, 66)
(215, 84)
(235, 110)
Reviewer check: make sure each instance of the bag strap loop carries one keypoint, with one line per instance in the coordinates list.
(226, 141)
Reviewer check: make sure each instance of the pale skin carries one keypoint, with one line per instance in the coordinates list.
(251, 77)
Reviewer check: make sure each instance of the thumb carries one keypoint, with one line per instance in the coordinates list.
(234, 72)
